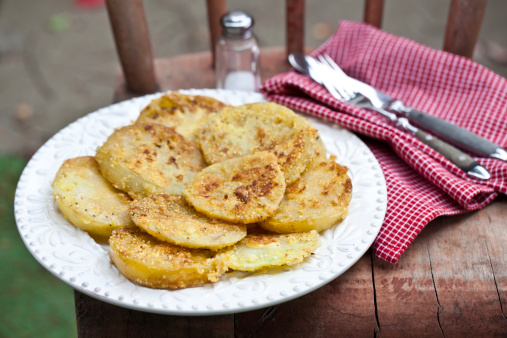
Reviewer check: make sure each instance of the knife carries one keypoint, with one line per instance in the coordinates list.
(456, 156)
(446, 130)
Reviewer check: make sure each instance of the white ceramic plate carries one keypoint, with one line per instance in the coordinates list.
(72, 256)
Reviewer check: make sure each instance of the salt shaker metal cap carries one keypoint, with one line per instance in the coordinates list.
(237, 25)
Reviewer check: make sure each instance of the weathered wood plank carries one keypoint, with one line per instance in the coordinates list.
(405, 294)
(99, 319)
(495, 231)
(344, 307)
(463, 274)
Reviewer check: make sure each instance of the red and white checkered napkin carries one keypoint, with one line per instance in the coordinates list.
(421, 184)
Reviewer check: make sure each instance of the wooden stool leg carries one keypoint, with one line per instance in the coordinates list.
(295, 26)
(463, 26)
(373, 12)
(133, 44)
(216, 9)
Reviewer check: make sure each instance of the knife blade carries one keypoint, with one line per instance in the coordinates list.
(448, 131)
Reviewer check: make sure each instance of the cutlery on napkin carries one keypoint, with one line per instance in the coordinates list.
(347, 89)
(421, 184)
(446, 130)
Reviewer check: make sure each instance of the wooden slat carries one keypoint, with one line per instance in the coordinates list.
(216, 9)
(343, 308)
(461, 265)
(450, 281)
(133, 44)
(463, 26)
(495, 233)
(405, 294)
(373, 12)
(295, 26)
(97, 319)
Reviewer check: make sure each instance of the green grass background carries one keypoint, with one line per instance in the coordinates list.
(33, 303)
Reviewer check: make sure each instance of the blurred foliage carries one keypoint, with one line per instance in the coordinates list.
(33, 302)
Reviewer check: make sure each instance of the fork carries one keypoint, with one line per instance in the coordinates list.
(343, 85)
(343, 90)
(450, 132)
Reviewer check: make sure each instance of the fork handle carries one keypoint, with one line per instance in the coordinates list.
(454, 134)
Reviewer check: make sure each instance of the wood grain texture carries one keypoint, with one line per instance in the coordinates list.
(463, 273)
(406, 301)
(344, 308)
(373, 12)
(129, 27)
(98, 319)
(494, 230)
(463, 26)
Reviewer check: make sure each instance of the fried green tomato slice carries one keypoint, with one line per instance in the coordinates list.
(260, 251)
(184, 113)
(146, 159)
(320, 150)
(145, 260)
(317, 201)
(265, 126)
(245, 189)
(170, 219)
(88, 200)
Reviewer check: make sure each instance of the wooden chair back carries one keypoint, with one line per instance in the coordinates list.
(131, 36)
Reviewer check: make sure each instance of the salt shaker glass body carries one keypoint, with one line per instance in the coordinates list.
(237, 53)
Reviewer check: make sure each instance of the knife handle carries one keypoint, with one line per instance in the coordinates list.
(454, 134)
(456, 156)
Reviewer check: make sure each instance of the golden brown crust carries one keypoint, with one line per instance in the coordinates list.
(246, 189)
(243, 130)
(88, 200)
(184, 113)
(268, 165)
(259, 251)
(320, 149)
(170, 218)
(156, 264)
(318, 200)
(145, 159)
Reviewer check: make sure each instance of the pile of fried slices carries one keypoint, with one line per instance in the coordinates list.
(196, 187)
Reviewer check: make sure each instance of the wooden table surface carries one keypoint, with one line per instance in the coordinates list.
(451, 281)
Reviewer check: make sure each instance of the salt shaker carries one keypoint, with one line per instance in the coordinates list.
(237, 53)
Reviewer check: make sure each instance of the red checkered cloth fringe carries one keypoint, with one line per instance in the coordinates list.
(421, 184)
